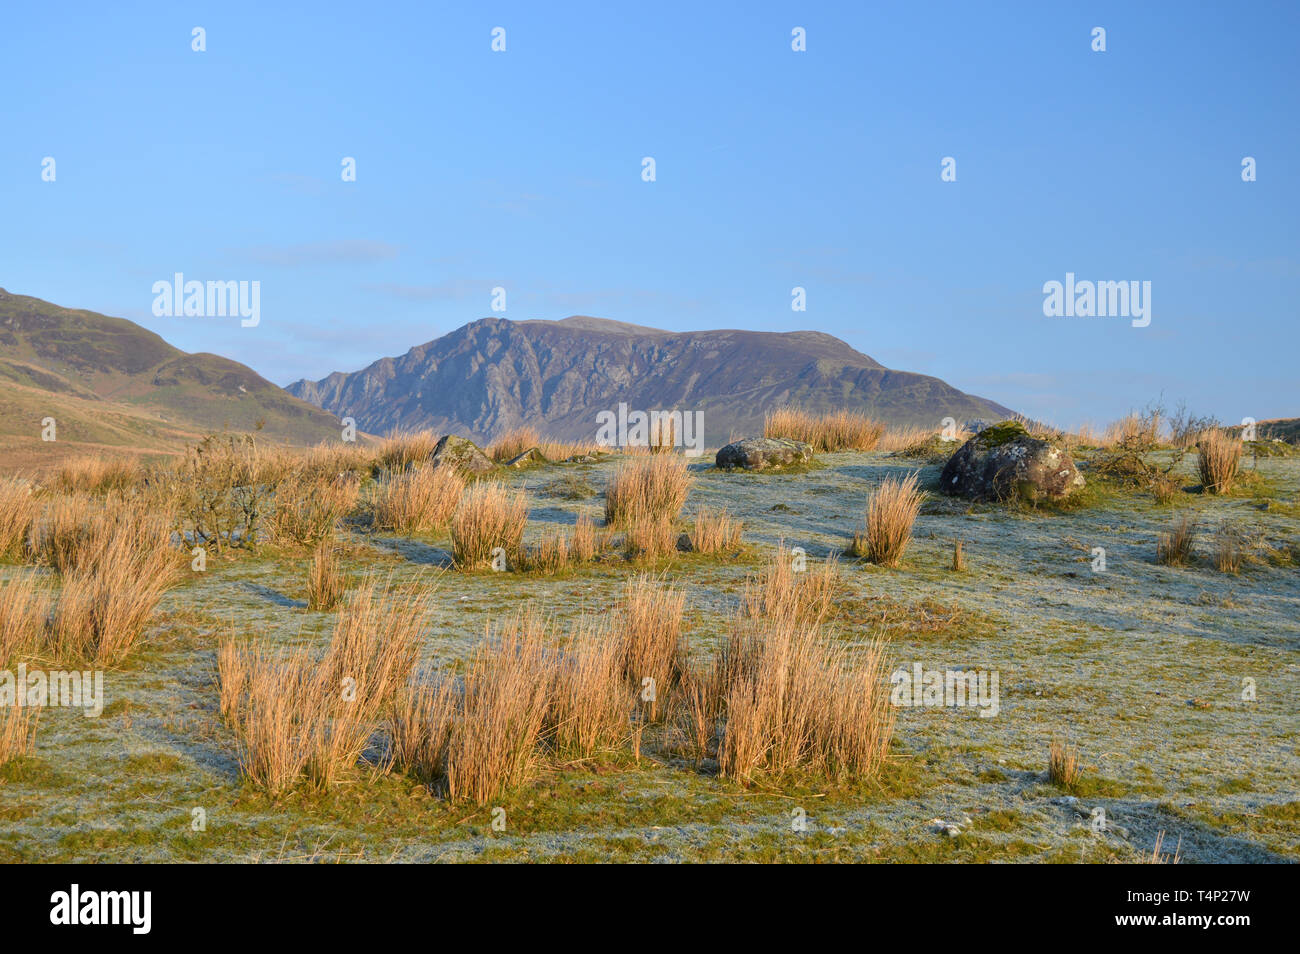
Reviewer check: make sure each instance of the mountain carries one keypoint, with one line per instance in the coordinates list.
(109, 383)
(493, 374)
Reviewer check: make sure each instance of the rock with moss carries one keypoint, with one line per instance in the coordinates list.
(762, 453)
(529, 457)
(1005, 462)
(461, 453)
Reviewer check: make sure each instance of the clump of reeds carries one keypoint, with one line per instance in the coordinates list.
(17, 731)
(1063, 767)
(795, 701)
(18, 513)
(513, 443)
(714, 531)
(488, 517)
(1229, 546)
(891, 511)
(400, 451)
(785, 587)
(25, 605)
(1174, 548)
(418, 500)
(831, 431)
(326, 581)
(655, 487)
(650, 636)
(96, 474)
(1218, 457)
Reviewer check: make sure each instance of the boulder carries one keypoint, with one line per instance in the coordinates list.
(461, 453)
(760, 453)
(1004, 462)
(531, 456)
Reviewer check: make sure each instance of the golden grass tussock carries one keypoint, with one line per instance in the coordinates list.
(513, 443)
(1174, 547)
(18, 513)
(649, 626)
(96, 474)
(25, 605)
(648, 536)
(891, 512)
(1218, 457)
(787, 588)
(1063, 765)
(400, 451)
(590, 702)
(17, 731)
(307, 509)
(326, 581)
(295, 715)
(654, 486)
(489, 516)
(419, 500)
(796, 702)
(1229, 548)
(831, 431)
(714, 531)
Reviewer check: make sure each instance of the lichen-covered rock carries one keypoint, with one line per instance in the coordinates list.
(760, 453)
(1003, 462)
(461, 453)
(531, 456)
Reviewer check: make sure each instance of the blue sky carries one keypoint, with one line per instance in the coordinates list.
(775, 169)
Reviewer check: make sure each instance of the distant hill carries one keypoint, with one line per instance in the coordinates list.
(493, 374)
(111, 384)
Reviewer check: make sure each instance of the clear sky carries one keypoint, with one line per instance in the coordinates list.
(774, 169)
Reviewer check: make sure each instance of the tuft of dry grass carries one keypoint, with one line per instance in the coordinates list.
(652, 652)
(714, 531)
(785, 588)
(1063, 766)
(325, 580)
(958, 557)
(297, 715)
(18, 513)
(652, 487)
(1158, 857)
(832, 431)
(590, 702)
(96, 474)
(418, 500)
(17, 731)
(513, 443)
(551, 555)
(1218, 457)
(1174, 548)
(115, 567)
(699, 708)
(400, 451)
(648, 537)
(307, 509)
(891, 511)
(797, 702)
(585, 543)
(491, 745)
(488, 516)
(25, 605)
(1229, 544)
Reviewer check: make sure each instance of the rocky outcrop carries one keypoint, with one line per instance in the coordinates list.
(462, 454)
(1005, 462)
(762, 453)
(494, 375)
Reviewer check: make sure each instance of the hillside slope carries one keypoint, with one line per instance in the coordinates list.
(108, 381)
(494, 374)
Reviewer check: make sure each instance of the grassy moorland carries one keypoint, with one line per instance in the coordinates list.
(349, 678)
